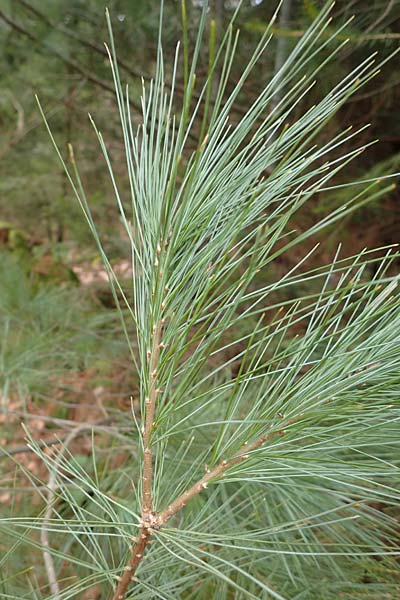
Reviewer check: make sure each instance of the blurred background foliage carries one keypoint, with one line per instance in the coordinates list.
(55, 304)
(56, 49)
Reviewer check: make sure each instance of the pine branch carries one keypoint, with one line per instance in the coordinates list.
(212, 474)
(150, 407)
(148, 517)
(226, 221)
(137, 551)
(154, 521)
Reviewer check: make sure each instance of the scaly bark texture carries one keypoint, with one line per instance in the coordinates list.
(150, 403)
(136, 556)
(148, 517)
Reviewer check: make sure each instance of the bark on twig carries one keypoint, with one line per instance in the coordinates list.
(148, 516)
(135, 558)
(157, 520)
(218, 471)
(150, 402)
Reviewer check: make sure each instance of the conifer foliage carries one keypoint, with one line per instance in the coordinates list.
(264, 454)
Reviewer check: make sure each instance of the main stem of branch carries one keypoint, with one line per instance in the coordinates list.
(148, 516)
(136, 556)
(150, 403)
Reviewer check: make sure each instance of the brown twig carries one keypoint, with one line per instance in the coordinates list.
(148, 516)
(157, 520)
(150, 403)
(218, 471)
(137, 551)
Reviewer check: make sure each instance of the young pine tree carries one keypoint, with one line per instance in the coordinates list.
(263, 462)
